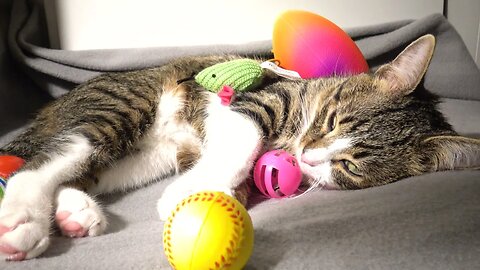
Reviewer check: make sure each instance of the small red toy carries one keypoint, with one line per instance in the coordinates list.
(8, 165)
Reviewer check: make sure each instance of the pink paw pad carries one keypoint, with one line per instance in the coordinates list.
(69, 228)
(3, 230)
(13, 253)
(61, 216)
(73, 229)
(19, 256)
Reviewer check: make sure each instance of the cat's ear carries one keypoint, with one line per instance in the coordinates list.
(401, 76)
(452, 152)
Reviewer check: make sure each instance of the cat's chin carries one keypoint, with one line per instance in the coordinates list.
(311, 184)
(329, 187)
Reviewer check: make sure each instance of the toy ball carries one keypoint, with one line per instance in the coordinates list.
(8, 165)
(277, 174)
(208, 230)
(314, 46)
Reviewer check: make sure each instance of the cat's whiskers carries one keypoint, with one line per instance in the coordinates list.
(317, 184)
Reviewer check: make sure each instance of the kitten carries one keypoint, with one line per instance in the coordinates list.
(125, 130)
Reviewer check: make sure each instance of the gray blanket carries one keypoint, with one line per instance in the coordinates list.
(425, 222)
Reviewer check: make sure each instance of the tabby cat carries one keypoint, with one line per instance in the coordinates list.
(124, 130)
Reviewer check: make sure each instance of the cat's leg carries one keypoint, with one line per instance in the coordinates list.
(26, 209)
(233, 142)
(77, 214)
(153, 161)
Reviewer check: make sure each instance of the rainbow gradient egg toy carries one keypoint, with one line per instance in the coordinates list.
(314, 46)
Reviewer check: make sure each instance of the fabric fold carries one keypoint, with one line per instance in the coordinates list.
(452, 74)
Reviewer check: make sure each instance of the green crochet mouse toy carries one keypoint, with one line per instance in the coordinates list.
(240, 74)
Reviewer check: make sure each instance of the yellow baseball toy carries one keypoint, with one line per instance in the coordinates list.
(208, 230)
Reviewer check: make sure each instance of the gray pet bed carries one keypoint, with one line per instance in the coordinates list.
(426, 222)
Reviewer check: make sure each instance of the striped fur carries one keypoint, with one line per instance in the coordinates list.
(385, 130)
(125, 130)
(115, 111)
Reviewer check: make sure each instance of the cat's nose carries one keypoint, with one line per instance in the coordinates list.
(305, 159)
(309, 159)
(314, 157)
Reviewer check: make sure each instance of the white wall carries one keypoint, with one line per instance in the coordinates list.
(465, 17)
(96, 24)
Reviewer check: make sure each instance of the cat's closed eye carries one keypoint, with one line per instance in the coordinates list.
(332, 122)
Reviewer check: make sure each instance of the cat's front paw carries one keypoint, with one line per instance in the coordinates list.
(22, 236)
(77, 214)
(176, 192)
(169, 200)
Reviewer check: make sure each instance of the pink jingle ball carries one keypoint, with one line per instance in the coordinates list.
(277, 174)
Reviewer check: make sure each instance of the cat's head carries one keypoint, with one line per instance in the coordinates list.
(373, 129)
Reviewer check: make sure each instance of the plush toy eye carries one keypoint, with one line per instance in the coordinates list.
(350, 167)
(332, 122)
